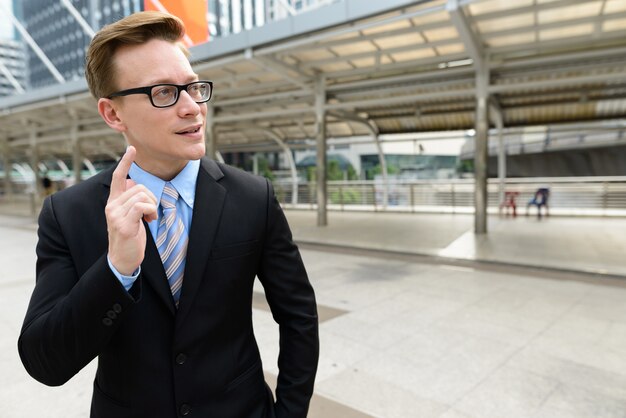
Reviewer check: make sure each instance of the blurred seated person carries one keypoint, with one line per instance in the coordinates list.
(48, 187)
(540, 199)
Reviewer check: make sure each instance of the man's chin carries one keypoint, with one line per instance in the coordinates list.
(197, 152)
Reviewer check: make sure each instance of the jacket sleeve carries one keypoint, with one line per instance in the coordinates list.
(292, 302)
(69, 318)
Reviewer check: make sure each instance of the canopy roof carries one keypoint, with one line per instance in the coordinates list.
(405, 66)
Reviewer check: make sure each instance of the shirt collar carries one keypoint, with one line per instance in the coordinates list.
(184, 182)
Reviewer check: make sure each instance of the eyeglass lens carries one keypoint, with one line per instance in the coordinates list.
(166, 95)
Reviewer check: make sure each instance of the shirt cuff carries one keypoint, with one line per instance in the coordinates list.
(126, 281)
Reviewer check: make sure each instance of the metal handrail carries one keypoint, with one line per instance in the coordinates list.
(570, 196)
(586, 196)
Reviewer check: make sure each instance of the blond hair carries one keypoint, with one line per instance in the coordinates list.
(135, 29)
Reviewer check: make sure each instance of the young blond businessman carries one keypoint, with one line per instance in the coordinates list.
(150, 265)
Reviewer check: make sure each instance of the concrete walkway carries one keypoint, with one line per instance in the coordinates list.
(421, 327)
(589, 245)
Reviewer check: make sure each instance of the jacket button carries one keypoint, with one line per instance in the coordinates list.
(117, 308)
(111, 314)
(185, 409)
(107, 321)
(181, 358)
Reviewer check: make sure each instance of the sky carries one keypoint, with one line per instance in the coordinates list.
(6, 29)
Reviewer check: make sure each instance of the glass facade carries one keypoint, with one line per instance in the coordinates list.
(60, 36)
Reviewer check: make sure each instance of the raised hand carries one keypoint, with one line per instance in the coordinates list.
(127, 205)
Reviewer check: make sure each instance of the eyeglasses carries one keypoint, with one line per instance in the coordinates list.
(165, 95)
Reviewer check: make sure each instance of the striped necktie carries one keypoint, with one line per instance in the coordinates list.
(172, 241)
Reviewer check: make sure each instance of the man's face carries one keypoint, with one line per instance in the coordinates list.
(165, 138)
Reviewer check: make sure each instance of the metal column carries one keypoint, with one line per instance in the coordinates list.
(6, 162)
(475, 50)
(211, 137)
(481, 150)
(289, 157)
(77, 159)
(320, 123)
(37, 193)
(496, 114)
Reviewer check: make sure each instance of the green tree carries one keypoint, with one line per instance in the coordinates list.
(333, 172)
(376, 170)
(264, 169)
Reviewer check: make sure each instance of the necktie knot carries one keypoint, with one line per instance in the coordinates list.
(169, 196)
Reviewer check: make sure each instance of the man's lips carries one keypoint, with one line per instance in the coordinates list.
(190, 130)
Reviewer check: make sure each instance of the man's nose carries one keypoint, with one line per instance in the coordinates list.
(187, 103)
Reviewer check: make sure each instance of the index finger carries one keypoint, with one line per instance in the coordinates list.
(118, 181)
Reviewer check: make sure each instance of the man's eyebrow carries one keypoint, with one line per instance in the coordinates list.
(189, 79)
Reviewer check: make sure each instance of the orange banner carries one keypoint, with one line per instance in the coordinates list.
(192, 12)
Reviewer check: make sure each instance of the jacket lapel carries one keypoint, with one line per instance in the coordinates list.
(207, 210)
(152, 271)
(151, 268)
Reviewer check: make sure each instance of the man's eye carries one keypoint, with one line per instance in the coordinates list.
(162, 92)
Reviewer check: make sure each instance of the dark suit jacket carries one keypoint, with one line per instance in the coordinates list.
(155, 361)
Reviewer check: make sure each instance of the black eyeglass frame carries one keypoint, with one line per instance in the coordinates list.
(148, 90)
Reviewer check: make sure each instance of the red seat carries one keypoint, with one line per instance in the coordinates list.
(509, 202)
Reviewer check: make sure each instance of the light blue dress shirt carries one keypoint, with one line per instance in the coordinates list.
(185, 185)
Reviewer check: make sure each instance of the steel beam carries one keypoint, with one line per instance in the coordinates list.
(79, 18)
(284, 72)
(264, 98)
(555, 82)
(42, 56)
(374, 36)
(472, 45)
(581, 56)
(16, 85)
(380, 53)
(406, 78)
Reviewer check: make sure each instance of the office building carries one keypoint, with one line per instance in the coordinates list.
(60, 36)
(13, 59)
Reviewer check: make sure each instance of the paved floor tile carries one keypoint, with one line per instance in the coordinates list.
(403, 338)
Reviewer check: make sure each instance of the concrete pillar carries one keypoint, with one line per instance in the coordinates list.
(37, 189)
(8, 167)
(255, 163)
(481, 150)
(77, 157)
(320, 124)
(211, 137)
(497, 116)
(383, 169)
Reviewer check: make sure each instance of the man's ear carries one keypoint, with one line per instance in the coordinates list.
(109, 113)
